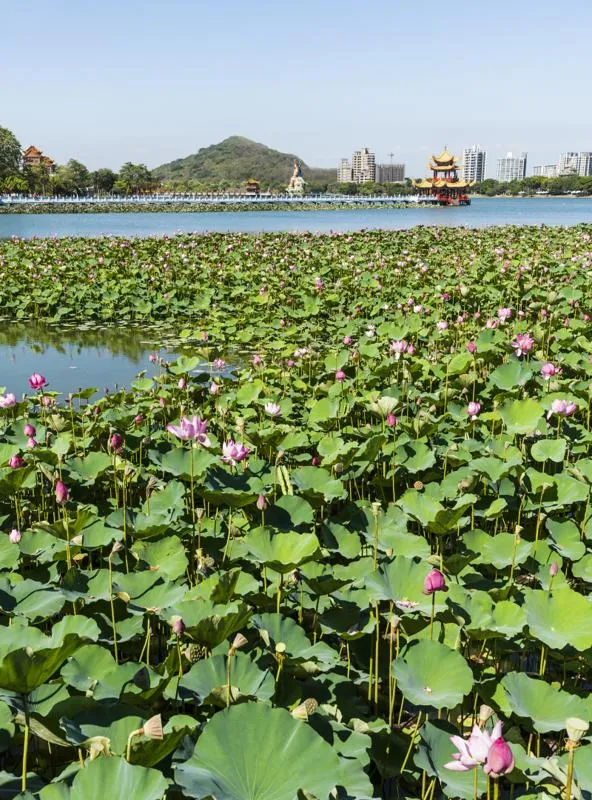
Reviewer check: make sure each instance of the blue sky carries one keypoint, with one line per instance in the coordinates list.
(118, 80)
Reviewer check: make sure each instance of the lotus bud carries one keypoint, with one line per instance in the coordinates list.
(138, 419)
(178, 626)
(31, 442)
(29, 430)
(116, 441)
(238, 642)
(142, 679)
(500, 759)
(199, 512)
(576, 728)
(485, 712)
(15, 536)
(434, 582)
(62, 493)
(553, 569)
(16, 461)
(182, 384)
(391, 420)
(261, 502)
(117, 546)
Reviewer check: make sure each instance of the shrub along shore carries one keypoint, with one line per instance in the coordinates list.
(309, 572)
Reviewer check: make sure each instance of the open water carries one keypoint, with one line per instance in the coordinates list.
(483, 212)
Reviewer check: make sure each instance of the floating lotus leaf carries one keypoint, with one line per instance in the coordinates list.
(500, 550)
(290, 513)
(510, 375)
(88, 468)
(93, 670)
(166, 556)
(113, 777)
(521, 416)
(567, 539)
(253, 752)
(182, 462)
(431, 674)
(209, 623)
(533, 699)
(283, 552)
(402, 580)
(207, 680)
(28, 658)
(324, 410)
(549, 450)
(560, 618)
(317, 483)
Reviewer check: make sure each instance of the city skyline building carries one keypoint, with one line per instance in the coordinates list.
(363, 166)
(568, 164)
(511, 168)
(344, 171)
(390, 173)
(474, 163)
(546, 171)
(585, 164)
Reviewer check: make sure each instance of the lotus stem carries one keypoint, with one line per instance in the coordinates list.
(432, 614)
(115, 653)
(570, 771)
(25, 747)
(409, 749)
(128, 749)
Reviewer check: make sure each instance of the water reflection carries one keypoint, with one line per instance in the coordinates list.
(72, 357)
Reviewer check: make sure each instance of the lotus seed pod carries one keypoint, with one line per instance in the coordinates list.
(192, 653)
(376, 508)
(238, 641)
(485, 712)
(576, 728)
(280, 648)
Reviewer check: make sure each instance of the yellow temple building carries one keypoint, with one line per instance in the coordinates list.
(445, 185)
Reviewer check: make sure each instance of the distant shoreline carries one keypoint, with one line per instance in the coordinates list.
(141, 208)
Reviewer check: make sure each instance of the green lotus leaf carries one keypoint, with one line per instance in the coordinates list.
(547, 706)
(6, 727)
(566, 537)
(431, 674)
(182, 462)
(283, 552)
(570, 490)
(207, 680)
(420, 506)
(114, 777)
(583, 569)
(150, 752)
(94, 671)
(317, 483)
(500, 550)
(402, 580)
(275, 629)
(324, 410)
(521, 416)
(166, 556)
(223, 488)
(549, 450)
(88, 468)
(28, 658)
(560, 618)
(9, 554)
(290, 513)
(253, 752)
(209, 623)
(510, 375)
(415, 456)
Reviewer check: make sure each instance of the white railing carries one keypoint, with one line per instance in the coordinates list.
(212, 199)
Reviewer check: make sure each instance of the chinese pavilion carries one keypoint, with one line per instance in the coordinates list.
(444, 185)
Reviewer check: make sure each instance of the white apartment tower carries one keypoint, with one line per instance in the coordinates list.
(585, 164)
(344, 171)
(474, 160)
(511, 169)
(568, 163)
(364, 166)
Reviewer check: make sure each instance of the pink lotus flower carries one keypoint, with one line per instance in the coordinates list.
(234, 452)
(219, 364)
(15, 536)
(62, 493)
(191, 429)
(347, 340)
(7, 400)
(473, 409)
(500, 759)
(504, 314)
(340, 376)
(410, 350)
(257, 360)
(16, 461)
(474, 750)
(434, 582)
(549, 370)
(37, 381)
(398, 347)
(214, 388)
(562, 408)
(391, 420)
(272, 409)
(442, 325)
(182, 384)
(471, 347)
(523, 344)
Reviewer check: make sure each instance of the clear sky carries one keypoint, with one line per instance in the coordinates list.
(108, 81)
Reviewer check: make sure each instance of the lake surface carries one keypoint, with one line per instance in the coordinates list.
(483, 212)
(75, 357)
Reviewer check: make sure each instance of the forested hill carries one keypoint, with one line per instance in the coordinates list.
(234, 161)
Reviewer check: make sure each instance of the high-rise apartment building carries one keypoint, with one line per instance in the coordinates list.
(390, 173)
(511, 169)
(344, 171)
(585, 164)
(363, 166)
(568, 163)
(546, 171)
(474, 160)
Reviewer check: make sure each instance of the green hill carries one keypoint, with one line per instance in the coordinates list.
(234, 161)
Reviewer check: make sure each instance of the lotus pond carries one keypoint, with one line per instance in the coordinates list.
(357, 565)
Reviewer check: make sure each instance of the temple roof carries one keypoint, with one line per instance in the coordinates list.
(442, 167)
(424, 183)
(32, 151)
(444, 158)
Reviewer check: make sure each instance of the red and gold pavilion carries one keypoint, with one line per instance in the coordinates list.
(445, 185)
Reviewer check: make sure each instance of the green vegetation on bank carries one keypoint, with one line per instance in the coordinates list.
(529, 186)
(364, 529)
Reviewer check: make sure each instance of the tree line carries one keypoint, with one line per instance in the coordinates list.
(70, 179)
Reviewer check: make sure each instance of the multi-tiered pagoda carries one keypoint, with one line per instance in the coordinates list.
(444, 185)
